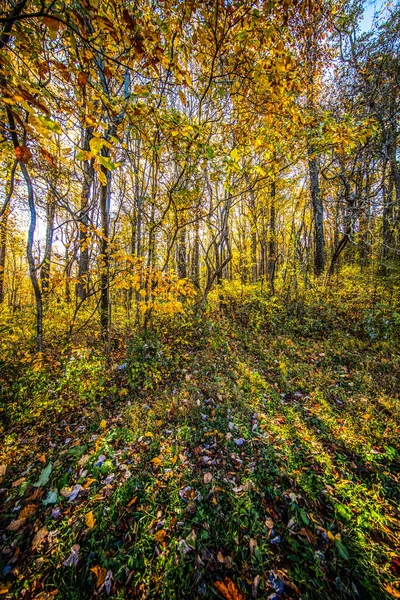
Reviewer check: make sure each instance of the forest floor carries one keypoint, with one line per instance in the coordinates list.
(262, 466)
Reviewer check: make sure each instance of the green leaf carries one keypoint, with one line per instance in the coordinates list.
(344, 553)
(51, 497)
(77, 450)
(44, 476)
(106, 162)
(303, 516)
(49, 124)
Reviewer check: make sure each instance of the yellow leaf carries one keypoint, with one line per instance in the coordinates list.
(234, 154)
(102, 178)
(4, 587)
(148, 434)
(103, 424)
(156, 461)
(88, 483)
(90, 519)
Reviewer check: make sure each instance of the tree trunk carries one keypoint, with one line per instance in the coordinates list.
(272, 240)
(3, 251)
(182, 254)
(104, 254)
(45, 270)
(31, 259)
(318, 212)
(82, 286)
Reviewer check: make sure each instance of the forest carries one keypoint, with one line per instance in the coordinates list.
(199, 299)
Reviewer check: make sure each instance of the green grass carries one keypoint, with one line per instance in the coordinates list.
(299, 432)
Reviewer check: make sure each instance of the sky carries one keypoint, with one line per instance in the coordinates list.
(371, 7)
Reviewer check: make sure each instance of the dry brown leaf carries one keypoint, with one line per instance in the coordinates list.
(252, 545)
(229, 590)
(39, 537)
(18, 482)
(17, 524)
(46, 595)
(207, 478)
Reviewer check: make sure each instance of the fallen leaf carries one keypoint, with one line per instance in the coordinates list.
(252, 545)
(88, 482)
(103, 424)
(4, 587)
(229, 590)
(207, 478)
(51, 497)
(90, 520)
(73, 558)
(392, 591)
(108, 582)
(27, 511)
(72, 492)
(220, 557)
(46, 595)
(18, 482)
(3, 469)
(160, 536)
(44, 476)
(39, 537)
(17, 524)
(100, 574)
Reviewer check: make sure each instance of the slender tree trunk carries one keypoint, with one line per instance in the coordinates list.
(253, 235)
(82, 286)
(182, 254)
(104, 256)
(318, 212)
(272, 254)
(3, 251)
(196, 256)
(387, 229)
(31, 259)
(45, 270)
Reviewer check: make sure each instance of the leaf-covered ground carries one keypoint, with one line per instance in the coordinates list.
(263, 466)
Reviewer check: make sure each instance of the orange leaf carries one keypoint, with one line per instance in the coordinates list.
(23, 154)
(229, 590)
(160, 536)
(27, 511)
(100, 575)
(82, 78)
(392, 591)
